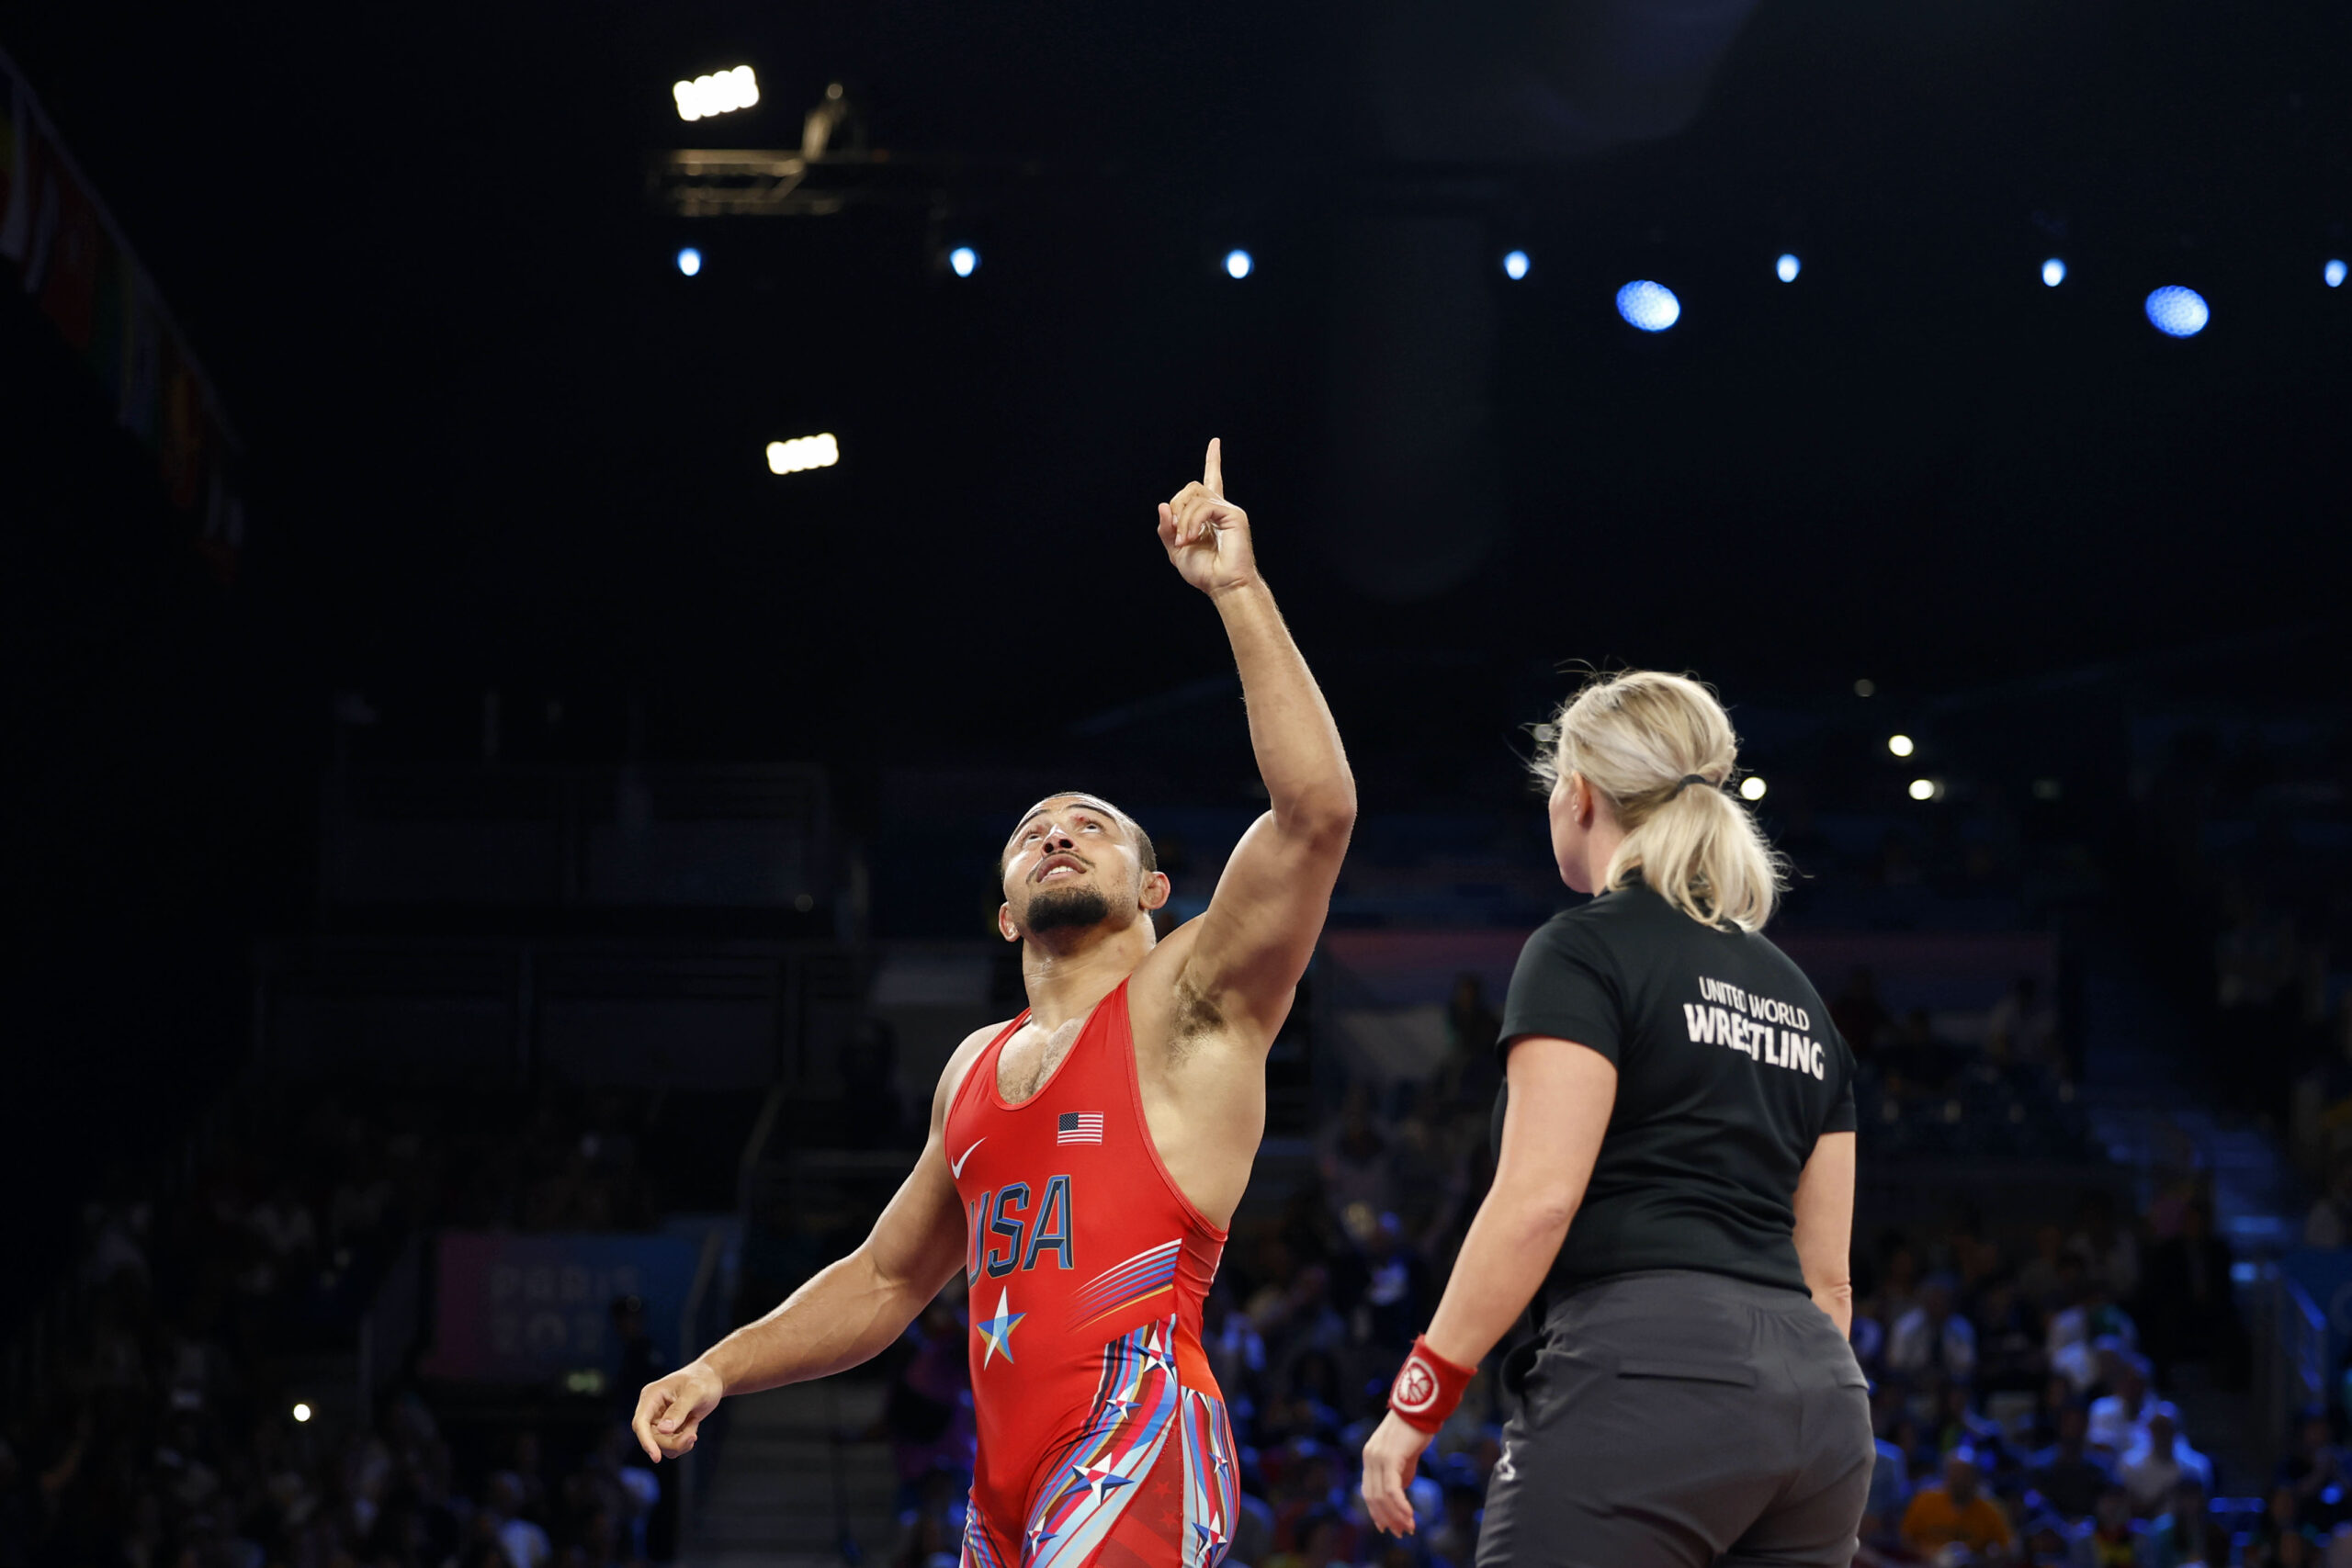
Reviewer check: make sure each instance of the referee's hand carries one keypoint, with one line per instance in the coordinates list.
(1391, 1458)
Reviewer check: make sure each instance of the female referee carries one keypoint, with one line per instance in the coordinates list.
(1673, 1193)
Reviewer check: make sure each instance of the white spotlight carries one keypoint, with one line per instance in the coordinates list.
(721, 92)
(1651, 307)
(2053, 273)
(1924, 789)
(1238, 264)
(2177, 312)
(2333, 273)
(301, 1412)
(1515, 266)
(1752, 787)
(803, 452)
(1900, 745)
(1865, 687)
(964, 260)
(690, 261)
(1787, 268)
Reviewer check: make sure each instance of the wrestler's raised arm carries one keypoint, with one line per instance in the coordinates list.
(849, 1313)
(1253, 944)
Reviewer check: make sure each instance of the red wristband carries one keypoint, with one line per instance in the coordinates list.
(1427, 1388)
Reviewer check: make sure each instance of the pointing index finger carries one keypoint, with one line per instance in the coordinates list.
(1212, 471)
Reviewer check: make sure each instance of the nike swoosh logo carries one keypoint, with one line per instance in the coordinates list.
(955, 1166)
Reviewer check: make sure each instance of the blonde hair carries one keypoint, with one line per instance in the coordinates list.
(1635, 737)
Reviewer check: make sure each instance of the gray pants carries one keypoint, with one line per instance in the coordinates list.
(1680, 1420)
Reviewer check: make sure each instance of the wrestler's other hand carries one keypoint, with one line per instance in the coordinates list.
(1207, 536)
(669, 1411)
(1391, 1457)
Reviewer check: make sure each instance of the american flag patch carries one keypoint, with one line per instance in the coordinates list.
(1079, 1127)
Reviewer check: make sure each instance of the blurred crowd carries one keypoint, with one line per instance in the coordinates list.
(2020, 1383)
(191, 1401)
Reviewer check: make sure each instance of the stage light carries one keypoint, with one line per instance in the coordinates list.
(2333, 273)
(1865, 687)
(1515, 266)
(301, 1412)
(964, 260)
(690, 261)
(2177, 311)
(2053, 273)
(1787, 268)
(1238, 264)
(1652, 307)
(803, 452)
(1900, 745)
(1923, 789)
(1752, 787)
(721, 92)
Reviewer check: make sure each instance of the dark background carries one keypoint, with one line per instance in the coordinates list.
(495, 441)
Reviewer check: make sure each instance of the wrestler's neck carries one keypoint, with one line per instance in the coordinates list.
(1068, 971)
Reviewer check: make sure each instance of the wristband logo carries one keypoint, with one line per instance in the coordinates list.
(1416, 1388)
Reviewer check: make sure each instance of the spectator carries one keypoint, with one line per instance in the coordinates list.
(1933, 1337)
(1859, 1016)
(2329, 1223)
(2040, 1280)
(2022, 1029)
(2067, 1475)
(1890, 1496)
(2187, 1537)
(524, 1544)
(2189, 1310)
(2114, 1538)
(1956, 1512)
(1471, 1072)
(2159, 1460)
(2108, 1250)
(2314, 1475)
(2115, 1419)
(1381, 1285)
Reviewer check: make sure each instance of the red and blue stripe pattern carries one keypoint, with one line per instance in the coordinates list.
(1136, 1408)
(1151, 1272)
(980, 1551)
(1212, 1484)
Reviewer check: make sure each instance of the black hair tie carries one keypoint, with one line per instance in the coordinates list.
(1688, 780)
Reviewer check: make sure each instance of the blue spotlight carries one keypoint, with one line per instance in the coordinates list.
(1238, 264)
(690, 261)
(2333, 273)
(2177, 312)
(964, 260)
(1652, 307)
(1787, 268)
(1515, 266)
(2053, 273)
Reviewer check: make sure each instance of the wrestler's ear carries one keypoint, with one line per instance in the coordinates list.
(1004, 925)
(1155, 889)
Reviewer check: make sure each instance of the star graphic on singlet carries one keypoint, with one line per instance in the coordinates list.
(1100, 1478)
(1039, 1536)
(998, 1330)
(1211, 1535)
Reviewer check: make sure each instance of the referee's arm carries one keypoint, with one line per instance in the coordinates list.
(1561, 1095)
(1825, 1235)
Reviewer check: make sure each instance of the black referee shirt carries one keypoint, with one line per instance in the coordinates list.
(1728, 1071)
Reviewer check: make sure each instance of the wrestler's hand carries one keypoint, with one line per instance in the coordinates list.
(1391, 1456)
(1207, 536)
(671, 1410)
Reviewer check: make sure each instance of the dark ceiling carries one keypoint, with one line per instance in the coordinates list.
(499, 441)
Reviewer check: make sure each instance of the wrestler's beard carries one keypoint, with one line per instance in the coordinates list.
(1069, 909)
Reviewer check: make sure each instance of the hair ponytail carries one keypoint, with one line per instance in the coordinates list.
(1639, 738)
